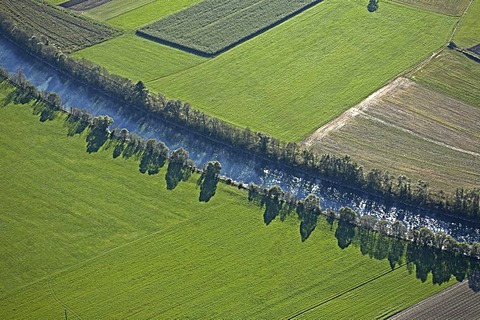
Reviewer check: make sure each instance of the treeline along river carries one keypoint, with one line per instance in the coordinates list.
(236, 165)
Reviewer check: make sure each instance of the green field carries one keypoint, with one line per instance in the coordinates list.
(453, 73)
(296, 77)
(67, 31)
(213, 26)
(90, 234)
(130, 15)
(450, 7)
(468, 33)
(156, 61)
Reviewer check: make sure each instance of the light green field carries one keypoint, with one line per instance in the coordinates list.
(298, 76)
(131, 15)
(453, 73)
(141, 59)
(468, 33)
(450, 7)
(90, 234)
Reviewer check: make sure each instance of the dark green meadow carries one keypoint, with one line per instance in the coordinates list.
(67, 31)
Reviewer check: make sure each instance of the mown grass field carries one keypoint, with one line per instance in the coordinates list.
(156, 61)
(296, 77)
(213, 26)
(467, 34)
(67, 31)
(414, 131)
(90, 234)
(450, 7)
(453, 73)
(130, 15)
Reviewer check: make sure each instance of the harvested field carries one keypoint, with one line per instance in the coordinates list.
(67, 31)
(214, 26)
(456, 302)
(453, 73)
(81, 5)
(450, 7)
(412, 130)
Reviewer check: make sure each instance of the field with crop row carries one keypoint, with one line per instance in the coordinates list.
(297, 76)
(67, 31)
(457, 302)
(453, 73)
(213, 26)
(415, 131)
(90, 234)
(450, 7)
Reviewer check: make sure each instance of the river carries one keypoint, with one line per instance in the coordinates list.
(239, 167)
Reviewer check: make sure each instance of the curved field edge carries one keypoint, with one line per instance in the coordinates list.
(296, 77)
(90, 234)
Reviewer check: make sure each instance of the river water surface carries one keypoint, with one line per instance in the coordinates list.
(240, 167)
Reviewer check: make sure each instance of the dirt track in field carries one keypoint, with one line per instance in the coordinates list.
(455, 302)
(343, 119)
(409, 129)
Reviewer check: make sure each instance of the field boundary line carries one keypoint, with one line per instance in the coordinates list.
(424, 301)
(130, 10)
(299, 313)
(459, 22)
(442, 144)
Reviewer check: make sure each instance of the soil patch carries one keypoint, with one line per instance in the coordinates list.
(456, 302)
(83, 5)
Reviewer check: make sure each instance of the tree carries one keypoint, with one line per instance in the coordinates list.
(372, 5)
(308, 211)
(154, 157)
(98, 133)
(273, 204)
(179, 168)
(208, 180)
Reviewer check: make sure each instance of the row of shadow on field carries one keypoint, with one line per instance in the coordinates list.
(152, 154)
(423, 254)
(421, 259)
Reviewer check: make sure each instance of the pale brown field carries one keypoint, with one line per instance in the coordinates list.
(456, 302)
(412, 130)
